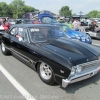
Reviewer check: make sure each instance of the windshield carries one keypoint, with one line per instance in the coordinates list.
(65, 28)
(11, 20)
(24, 21)
(44, 33)
(48, 20)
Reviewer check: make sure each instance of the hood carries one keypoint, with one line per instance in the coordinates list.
(44, 15)
(76, 51)
(77, 33)
(79, 36)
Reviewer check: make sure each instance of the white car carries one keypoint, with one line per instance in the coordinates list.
(94, 34)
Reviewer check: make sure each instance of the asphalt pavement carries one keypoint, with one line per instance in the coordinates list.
(19, 82)
(96, 41)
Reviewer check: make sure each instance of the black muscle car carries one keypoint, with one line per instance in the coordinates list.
(47, 50)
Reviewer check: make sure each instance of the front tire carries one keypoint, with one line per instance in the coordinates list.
(4, 50)
(46, 73)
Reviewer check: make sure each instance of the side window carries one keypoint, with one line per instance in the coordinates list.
(13, 31)
(22, 35)
(20, 32)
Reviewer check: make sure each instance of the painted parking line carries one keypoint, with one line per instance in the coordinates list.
(95, 44)
(13, 81)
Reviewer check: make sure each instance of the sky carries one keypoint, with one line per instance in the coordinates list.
(54, 6)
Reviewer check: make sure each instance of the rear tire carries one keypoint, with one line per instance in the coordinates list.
(46, 73)
(4, 50)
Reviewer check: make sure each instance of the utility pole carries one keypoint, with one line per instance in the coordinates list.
(80, 14)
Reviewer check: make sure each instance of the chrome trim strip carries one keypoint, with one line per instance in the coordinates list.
(79, 77)
(27, 36)
(8, 48)
(22, 55)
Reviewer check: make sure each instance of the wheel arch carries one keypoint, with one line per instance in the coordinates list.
(56, 70)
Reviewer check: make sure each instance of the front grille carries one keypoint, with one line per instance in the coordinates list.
(90, 65)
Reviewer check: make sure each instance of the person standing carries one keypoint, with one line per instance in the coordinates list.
(76, 25)
(94, 27)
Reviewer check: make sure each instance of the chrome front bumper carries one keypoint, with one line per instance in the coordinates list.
(79, 77)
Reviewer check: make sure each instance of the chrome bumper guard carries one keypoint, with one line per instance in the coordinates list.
(79, 77)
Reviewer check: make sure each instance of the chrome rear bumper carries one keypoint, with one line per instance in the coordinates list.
(79, 77)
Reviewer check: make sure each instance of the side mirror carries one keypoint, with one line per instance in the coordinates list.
(20, 39)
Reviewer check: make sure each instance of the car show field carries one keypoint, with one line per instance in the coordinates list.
(49, 50)
(15, 74)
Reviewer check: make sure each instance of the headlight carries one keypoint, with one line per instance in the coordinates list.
(78, 37)
(73, 71)
(87, 39)
(76, 69)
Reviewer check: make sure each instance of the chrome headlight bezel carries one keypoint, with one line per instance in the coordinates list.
(75, 70)
(78, 69)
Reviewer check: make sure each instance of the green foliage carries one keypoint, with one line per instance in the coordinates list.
(98, 15)
(15, 9)
(65, 11)
(94, 14)
(4, 9)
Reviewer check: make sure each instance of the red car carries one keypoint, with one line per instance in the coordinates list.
(3, 27)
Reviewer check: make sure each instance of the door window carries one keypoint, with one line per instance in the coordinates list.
(13, 31)
(22, 35)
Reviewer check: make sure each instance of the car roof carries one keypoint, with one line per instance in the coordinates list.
(59, 24)
(32, 25)
(23, 19)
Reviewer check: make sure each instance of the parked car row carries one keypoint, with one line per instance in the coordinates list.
(45, 17)
(70, 32)
(49, 51)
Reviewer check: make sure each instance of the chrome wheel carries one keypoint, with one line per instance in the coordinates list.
(3, 47)
(45, 71)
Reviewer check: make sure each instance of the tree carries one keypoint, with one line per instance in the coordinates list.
(19, 8)
(94, 14)
(15, 9)
(4, 9)
(98, 15)
(65, 11)
(28, 9)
